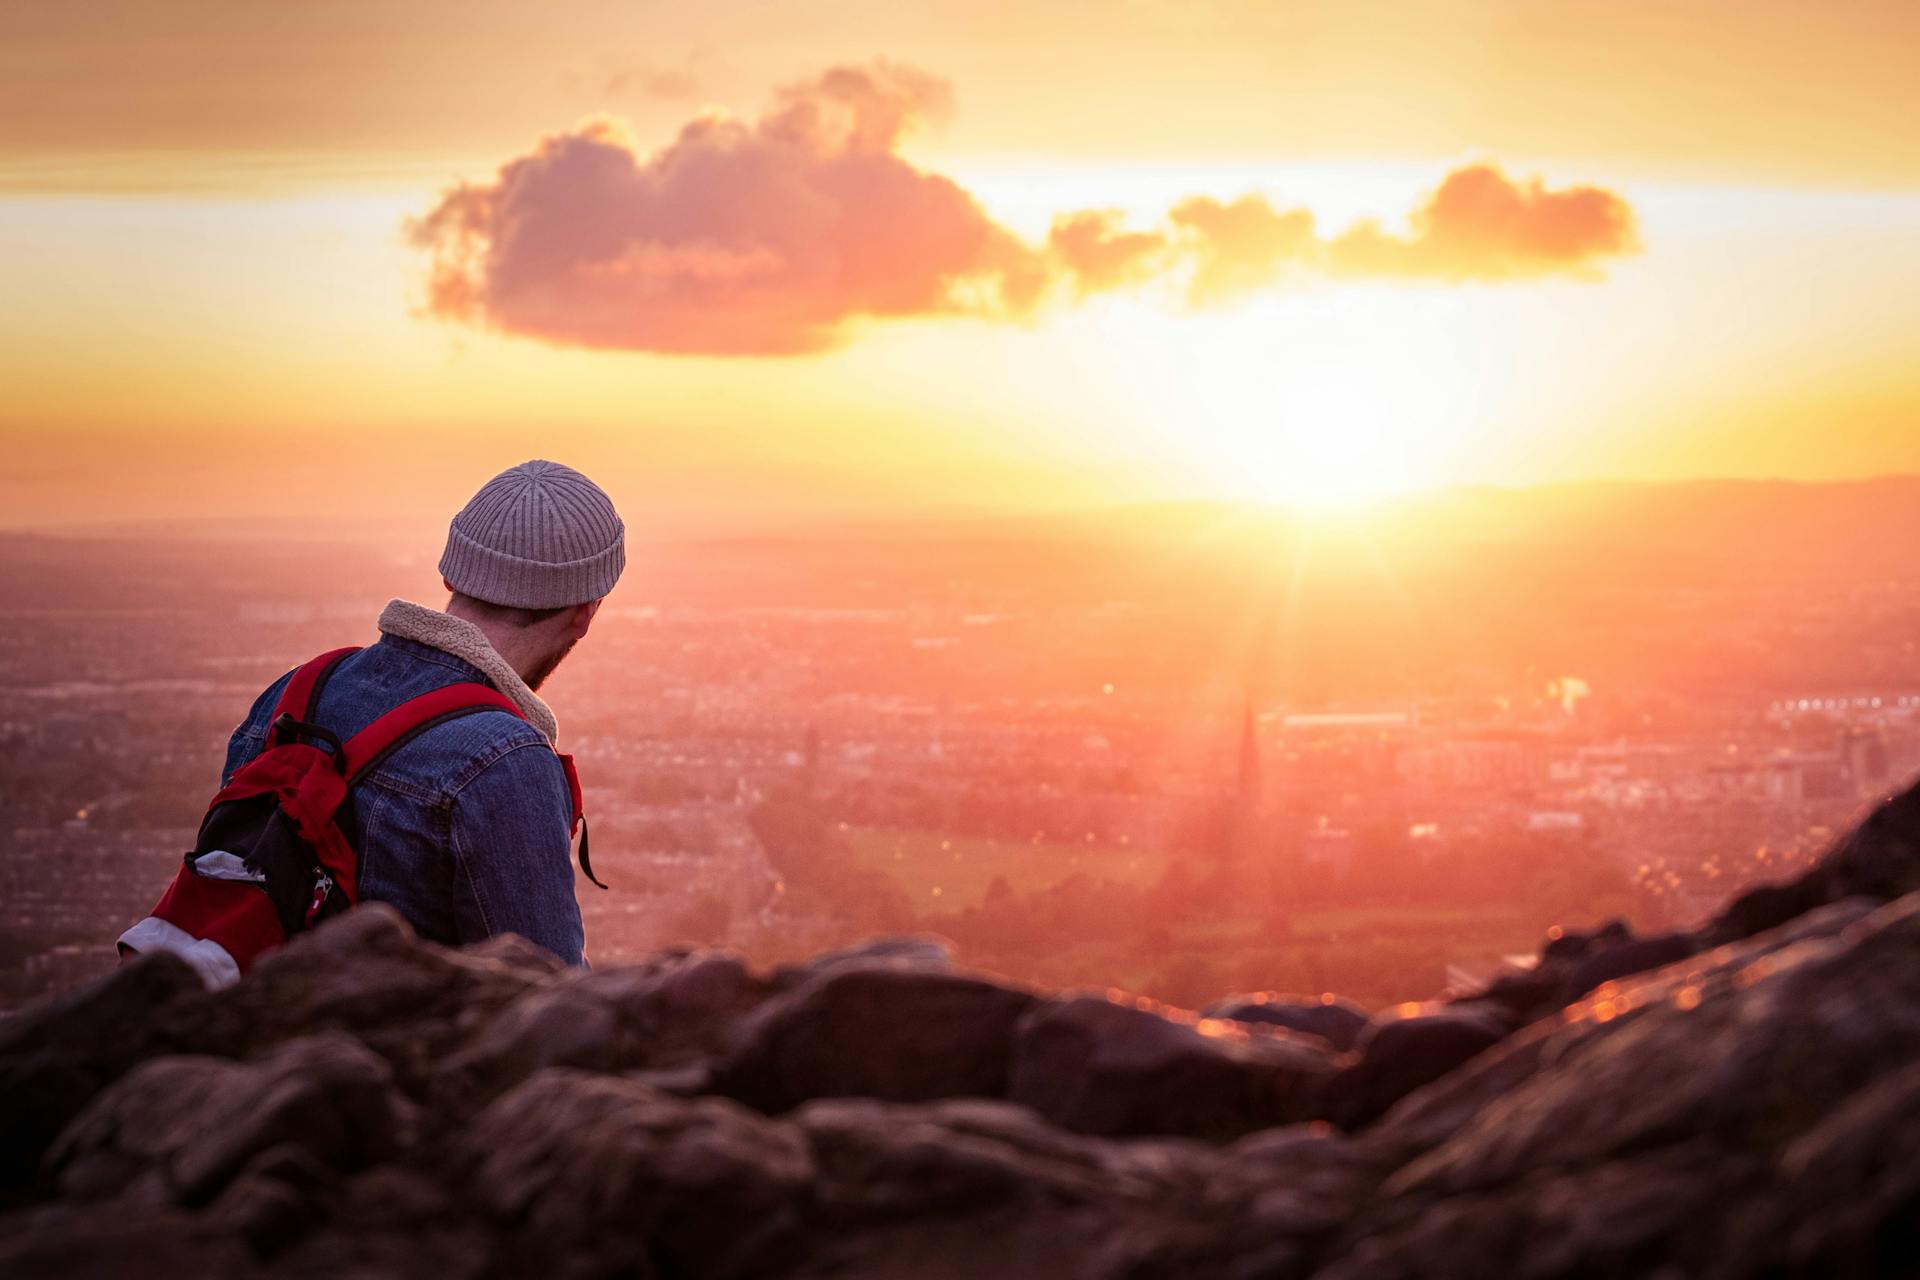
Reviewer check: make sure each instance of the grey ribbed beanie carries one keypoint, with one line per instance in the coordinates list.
(536, 536)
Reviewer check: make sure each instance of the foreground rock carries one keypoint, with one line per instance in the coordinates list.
(56, 1057)
(1336, 1021)
(177, 1130)
(1400, 1050)
(1099, 1065)
(597, 1176)
(1737, 1101)
(904, 1034)
(1678, 1122)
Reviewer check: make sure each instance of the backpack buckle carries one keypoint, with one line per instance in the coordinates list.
(285, 729)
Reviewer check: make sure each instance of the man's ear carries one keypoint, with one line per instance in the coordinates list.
(583, 616)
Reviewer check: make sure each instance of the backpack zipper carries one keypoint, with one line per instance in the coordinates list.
(322, 886)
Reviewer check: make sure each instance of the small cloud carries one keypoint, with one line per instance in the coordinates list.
(1094, 249)
(1477, 225)
(1481, 225)
(1240, 247)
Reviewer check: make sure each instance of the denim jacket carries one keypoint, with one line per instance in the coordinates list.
(465, 830)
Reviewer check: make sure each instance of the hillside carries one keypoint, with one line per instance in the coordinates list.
(1740, 1100)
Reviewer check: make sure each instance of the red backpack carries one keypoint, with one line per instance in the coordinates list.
(273, 857)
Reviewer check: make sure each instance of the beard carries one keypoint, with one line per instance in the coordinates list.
(538, 676)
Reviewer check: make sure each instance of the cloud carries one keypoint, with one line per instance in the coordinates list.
(1477, 225)
(1481, 225)
(736, 238)
(1240, 247)
(1093, 249)
(778, 235)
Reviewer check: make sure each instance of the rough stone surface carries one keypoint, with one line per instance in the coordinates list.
(81, 1242)
(683, 1007)
(55, 1057)
(900, 1034)
(1435, 1113)
(177, 1129)
(556, 1026)
(917, 952)
(365, 974)
(515, 952)
(1736, 1102)
(1104, 1066)
(1632, 956)
(1402, 1049)
(1338, 1022)
(1669, 1123)
(603, 1176)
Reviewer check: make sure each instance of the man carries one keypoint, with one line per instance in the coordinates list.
(466, 828)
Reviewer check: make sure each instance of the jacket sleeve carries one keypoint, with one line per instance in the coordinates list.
(512, 853)
(251, 735)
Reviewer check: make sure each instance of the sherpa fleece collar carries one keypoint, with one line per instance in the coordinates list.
(467, 642)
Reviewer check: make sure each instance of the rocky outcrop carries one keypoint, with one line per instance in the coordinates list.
(1336, 1021)
(1671, 1123)
(1403, 1048)
(165, 1132)
(903, 1034)
(1096, 1064)
(594, 1175)
(1737, 1101)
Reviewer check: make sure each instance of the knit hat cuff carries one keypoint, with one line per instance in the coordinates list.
(500, 578)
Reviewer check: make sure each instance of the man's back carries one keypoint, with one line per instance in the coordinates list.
(465, 829)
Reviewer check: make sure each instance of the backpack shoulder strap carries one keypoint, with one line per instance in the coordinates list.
(366, 749)
(303, 690)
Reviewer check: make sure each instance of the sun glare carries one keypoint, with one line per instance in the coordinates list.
(1328, 412)
(1324, 448)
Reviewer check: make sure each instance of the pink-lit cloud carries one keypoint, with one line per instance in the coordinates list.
(774, 236)
(735, 238)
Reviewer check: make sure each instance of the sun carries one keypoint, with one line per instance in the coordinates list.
(1327, 458)
(1324, 430)
(1320, 402)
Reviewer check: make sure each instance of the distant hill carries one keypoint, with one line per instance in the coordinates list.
(1741, 589)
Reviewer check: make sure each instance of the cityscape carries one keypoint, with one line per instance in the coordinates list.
(1181, 752)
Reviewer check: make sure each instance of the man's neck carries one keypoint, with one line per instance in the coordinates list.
(513, 644)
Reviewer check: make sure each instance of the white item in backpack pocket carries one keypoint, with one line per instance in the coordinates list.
(209, 959)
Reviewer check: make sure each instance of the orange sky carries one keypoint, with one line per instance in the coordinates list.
(750, 259)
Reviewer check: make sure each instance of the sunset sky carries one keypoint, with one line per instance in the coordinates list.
(750, 260)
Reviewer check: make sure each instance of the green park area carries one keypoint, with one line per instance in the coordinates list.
(944, 873)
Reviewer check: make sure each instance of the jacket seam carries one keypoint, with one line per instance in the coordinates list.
(464, 865)
(381, 780)
(496, 751)
(457, 846)
(368, 819)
